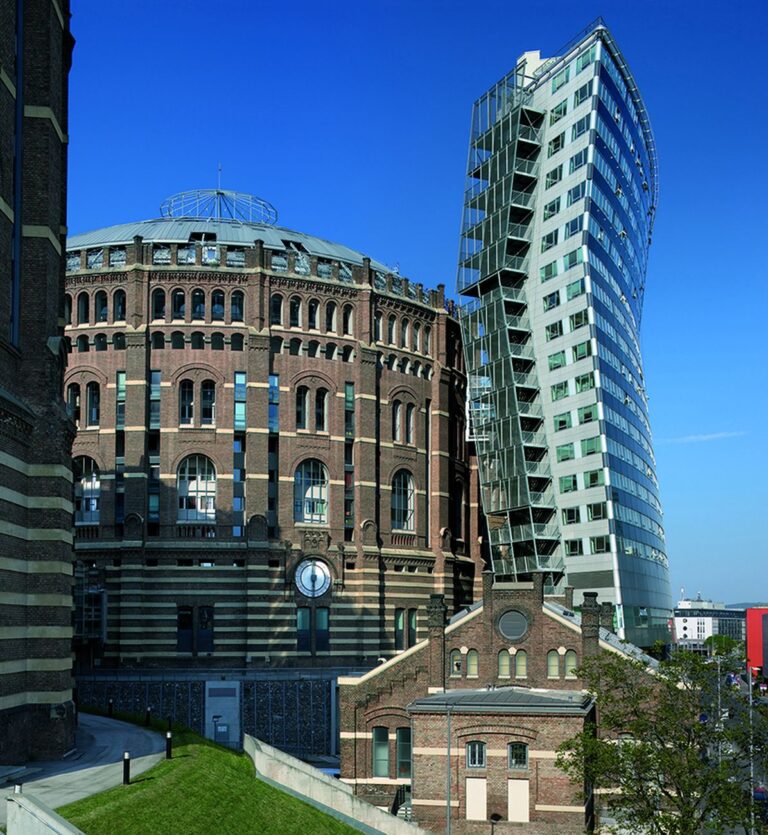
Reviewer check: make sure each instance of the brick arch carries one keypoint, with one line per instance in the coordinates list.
(80, 372)
(202, 450)
(197, 371)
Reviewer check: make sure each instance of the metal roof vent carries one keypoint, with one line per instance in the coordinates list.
(216, 204)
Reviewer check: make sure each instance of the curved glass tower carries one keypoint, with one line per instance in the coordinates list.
(558, 214)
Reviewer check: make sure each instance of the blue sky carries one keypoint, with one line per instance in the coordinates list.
(352, 118)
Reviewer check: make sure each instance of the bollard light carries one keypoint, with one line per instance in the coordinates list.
(126, 768)
(168, 744)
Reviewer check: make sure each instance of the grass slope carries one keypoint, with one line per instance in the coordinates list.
(204, 789)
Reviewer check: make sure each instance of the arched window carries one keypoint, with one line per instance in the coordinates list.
(391, 330)
(158, 340)
(473, 663)
(198, 305)
(310, 493)
(82, 309)
(504, 668)
(217, 341)
(410, 433)
(330, 317)
(73, 403)
(396, 420)
(377, 326)
(427, 340)
(294, 312)
(405, 332)
(570, 664)
(217, 306)
(321, 410)
(208, 403)
(346, 320)
(100, 342)
(330, 351)
(196, 489)
(380, 751)
(402, 501)
(416, 368)
(455, 662)
(517, 755)
(186, 402)
(405, 365)
(178, 304)
(276, 310)
(391, 362)
(313, 348)
(521, 664)
(177, 340)
(348, 354)
(416, 344)
(475, 754)
(82, 344)
(302, 398)
(236, 305)
(101, 308)
(198, 340)
(67, 309)
(295, 347)
(87, 489)
(553, 664)
(93, 404)
(118, 306)
(236, 342)
(312, 310)
(158, 304)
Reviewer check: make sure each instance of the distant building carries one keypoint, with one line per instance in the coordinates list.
(757, 640)
(36, 708)
(696, 620)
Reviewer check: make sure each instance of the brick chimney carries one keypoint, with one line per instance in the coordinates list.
(569, 598)
(436, 612)
(606, 616)
(590, 625)
(538, 587)
(488, 590)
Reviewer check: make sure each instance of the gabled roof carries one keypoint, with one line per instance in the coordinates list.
(517, 700)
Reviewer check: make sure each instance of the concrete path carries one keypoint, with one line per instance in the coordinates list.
(96, 764)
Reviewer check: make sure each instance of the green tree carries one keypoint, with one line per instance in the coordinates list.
(672, 744)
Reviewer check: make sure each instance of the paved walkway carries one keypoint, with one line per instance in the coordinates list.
(96, 765)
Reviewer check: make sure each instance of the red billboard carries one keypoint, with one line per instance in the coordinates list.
(757, 640)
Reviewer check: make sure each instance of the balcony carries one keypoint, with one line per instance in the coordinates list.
(529, 134)
(521, 533)
(519, 231)
(530, 408)
(516, 264)
(543, 498)
(540, 468)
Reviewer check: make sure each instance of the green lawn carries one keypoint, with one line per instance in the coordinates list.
(204, 789)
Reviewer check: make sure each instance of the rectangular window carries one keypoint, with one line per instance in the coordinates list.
(584, 382)
(556, 360)
(120, 405)
(567, 483)
(586, 58)
(551, 301)
(205, 629)
(552, 208)
(399, 629)
(240, 395)
(594, 478)
(562, 421)
(549, 240)
(556, 144)
(578, 160)
(577, 193)
(579, 319)
(554, 176)
(590, 446)
(303, 629)
(565, 452)
(574, 547)
(582, 351)
(587, 414)
(597, 511)
(560, 79)
(380, 752)
(403, 746)
(571, 515)
(475, 755)
(580, 128)
(582, 94)
(274, 403)
(412, 624)
(573, 227)
(554, 330)
(548, 271)
(558, 111)
(599, 544)
(559, 390)
(575, 288)
(572, 259)
(322, 630)
(184, 629)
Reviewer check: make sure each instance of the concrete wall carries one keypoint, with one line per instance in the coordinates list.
(28, 816)
(326, 793)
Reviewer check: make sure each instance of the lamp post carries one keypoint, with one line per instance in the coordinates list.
(448, 778)
(751, 759)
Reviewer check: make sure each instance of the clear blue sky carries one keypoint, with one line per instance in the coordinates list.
(353, 119)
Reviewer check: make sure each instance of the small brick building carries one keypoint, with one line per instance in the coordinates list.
(494, 691)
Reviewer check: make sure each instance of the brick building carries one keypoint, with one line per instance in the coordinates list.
(493, 690)
(270, 464)
(36, 710)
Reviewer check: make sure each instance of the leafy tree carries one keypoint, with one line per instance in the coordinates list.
(722, 645)
(672, 744)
